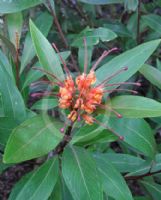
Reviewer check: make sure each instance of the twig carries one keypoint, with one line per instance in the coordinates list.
(138, 22)
(61, 34)
(67, 137)
(142, 176)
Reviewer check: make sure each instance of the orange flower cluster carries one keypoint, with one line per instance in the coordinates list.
(80, 97)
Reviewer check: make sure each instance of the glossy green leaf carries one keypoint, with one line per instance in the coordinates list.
(81, 175)
(153, 21)
(151, 74)
(119, 28)
(135, 106)
(14, 23)
(32, 75)
(136, 132)
(44, 22)
(101, 2)
(33, 138)
(131, 4)
(12, 6)
(45, 104)
(112, 180)
(133, 59)
(37, 185)
(88, 134)
(153, 188)
(4, 62)
(93, 36)
(9, 45)
(124, 162)
(13, 103)
(47, 56)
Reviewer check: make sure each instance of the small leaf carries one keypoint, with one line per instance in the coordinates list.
(14, 23)
(131, 4)
(101, 2)
(81, 175)
(153, 21)
(33, 138)
(113, 183)
(13, 103)
(38, 184)
(44, 22)
(4, 62)
(135, 106)
(12, 6)
(93, 36)
(133, 59)
(45, 104)
(124, 162)
(137, 133)
(151, 74)
(47, 56)
(153, 188)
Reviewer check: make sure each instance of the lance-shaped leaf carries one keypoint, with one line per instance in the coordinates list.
(33, 138)
(12, 6)
(113, 183)
(14, 23)
(133, 59)
(101, 2)
(46, 54)
(153, 21)
(11, 98)
(151, 74)
(137, 133)
(44, 22)
(38, 184)
(153, 188)
(81, 175)
(93, 36)
(135, 106)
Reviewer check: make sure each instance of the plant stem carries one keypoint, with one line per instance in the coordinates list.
(60, 148)
(138, 22)
(61, 33)
(142, 176)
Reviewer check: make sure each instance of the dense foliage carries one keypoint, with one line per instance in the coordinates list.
(80, 96)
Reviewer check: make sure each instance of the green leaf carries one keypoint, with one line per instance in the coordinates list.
(137, 133)
(112, 180)
(81, 175)
(151, 74)
(4, 62)
(88, 134)
(47, 56)
(38, 184)
(93, 36)
(44, 22)
(131, 4)
(101, 2)
(124, 162)
(34, 138)
(32, 75)
(11, 6)
(9, 45)
(45, 104)
(153, 188)
(153, 21)
(14, 23)
(135, 106)
(13, 103)
(133, 59)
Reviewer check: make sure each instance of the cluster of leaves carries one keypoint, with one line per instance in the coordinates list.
(89, 167)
